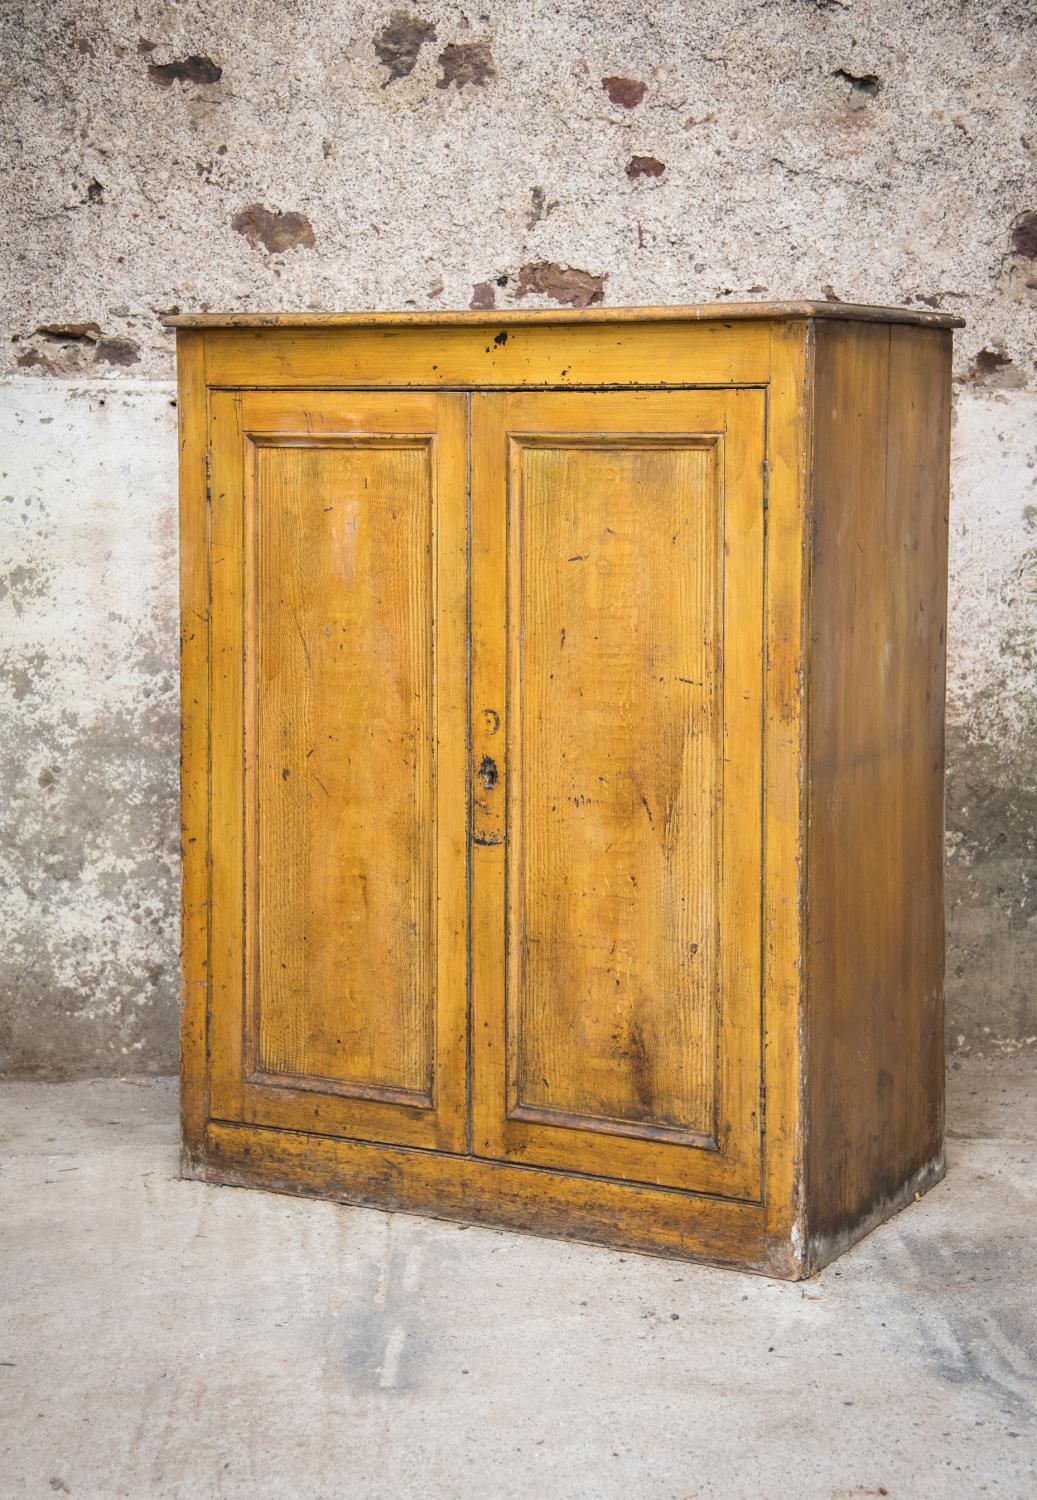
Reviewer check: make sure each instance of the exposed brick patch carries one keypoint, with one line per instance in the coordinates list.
(564, 284)
(645, 166)
(484, 296)
(193, 69)
(274, 231)
(399, 42)
(626, 92)
(466, 62)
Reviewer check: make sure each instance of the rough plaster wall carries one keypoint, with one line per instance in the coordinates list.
(290, 153)
(89, 715)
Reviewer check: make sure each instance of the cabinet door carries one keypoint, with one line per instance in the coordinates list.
(337, 763)
(618, 575)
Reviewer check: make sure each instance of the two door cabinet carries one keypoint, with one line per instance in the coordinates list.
(563, 767)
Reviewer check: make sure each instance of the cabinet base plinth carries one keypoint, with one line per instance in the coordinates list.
(503, 1195)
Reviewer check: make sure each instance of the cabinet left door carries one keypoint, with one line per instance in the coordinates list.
(337, 805)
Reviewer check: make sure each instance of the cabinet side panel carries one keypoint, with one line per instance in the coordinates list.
(874, 934)
(194, 741)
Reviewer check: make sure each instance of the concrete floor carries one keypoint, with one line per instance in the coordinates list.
(164, 1338)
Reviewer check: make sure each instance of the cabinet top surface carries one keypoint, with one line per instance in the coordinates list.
(703, 312)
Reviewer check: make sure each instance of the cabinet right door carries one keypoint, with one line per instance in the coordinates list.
(617, 673)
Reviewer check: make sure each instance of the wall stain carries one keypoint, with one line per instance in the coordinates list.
(274, 231)
(465, 62)
(194, 69)
(400, 40)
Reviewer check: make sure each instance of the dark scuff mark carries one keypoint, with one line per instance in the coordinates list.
(399, 42)
(1024, 235)
(144, 47)
(117, 352)
(194, 69)
(466, 62)
(275, 231)
(644, 166)
(565, 284)
(488, 840)
(865, 83)
(640, 1067)
(626, 92)
(483, 296)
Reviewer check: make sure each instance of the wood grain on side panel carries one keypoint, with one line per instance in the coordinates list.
(874, 940)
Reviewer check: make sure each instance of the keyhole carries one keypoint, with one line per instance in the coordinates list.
(487, 773)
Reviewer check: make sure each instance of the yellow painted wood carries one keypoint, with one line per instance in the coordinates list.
(194, 744)
(701, 312)
(564, 1205)
(616, 973)
(697, 1006)
(874, 942)
(340, 722)
(460, 355)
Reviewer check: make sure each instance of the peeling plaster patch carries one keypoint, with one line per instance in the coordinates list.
(626, 92)
(465, 62)
(1024, 235)
(70, 332)
(32, 359)
(118, 351)
(74, 348)
(275, 231)
(193, 69)
(862, 83)
(398, 43)
(994, 367)
(644, 166)
(564, 284)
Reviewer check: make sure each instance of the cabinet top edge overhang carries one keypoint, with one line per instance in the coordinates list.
(704, 312)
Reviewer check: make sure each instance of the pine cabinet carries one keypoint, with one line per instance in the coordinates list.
(562, 767)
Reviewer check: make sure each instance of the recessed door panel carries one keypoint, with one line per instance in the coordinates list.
(613, 848)
(341, 521)
(617, 853)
